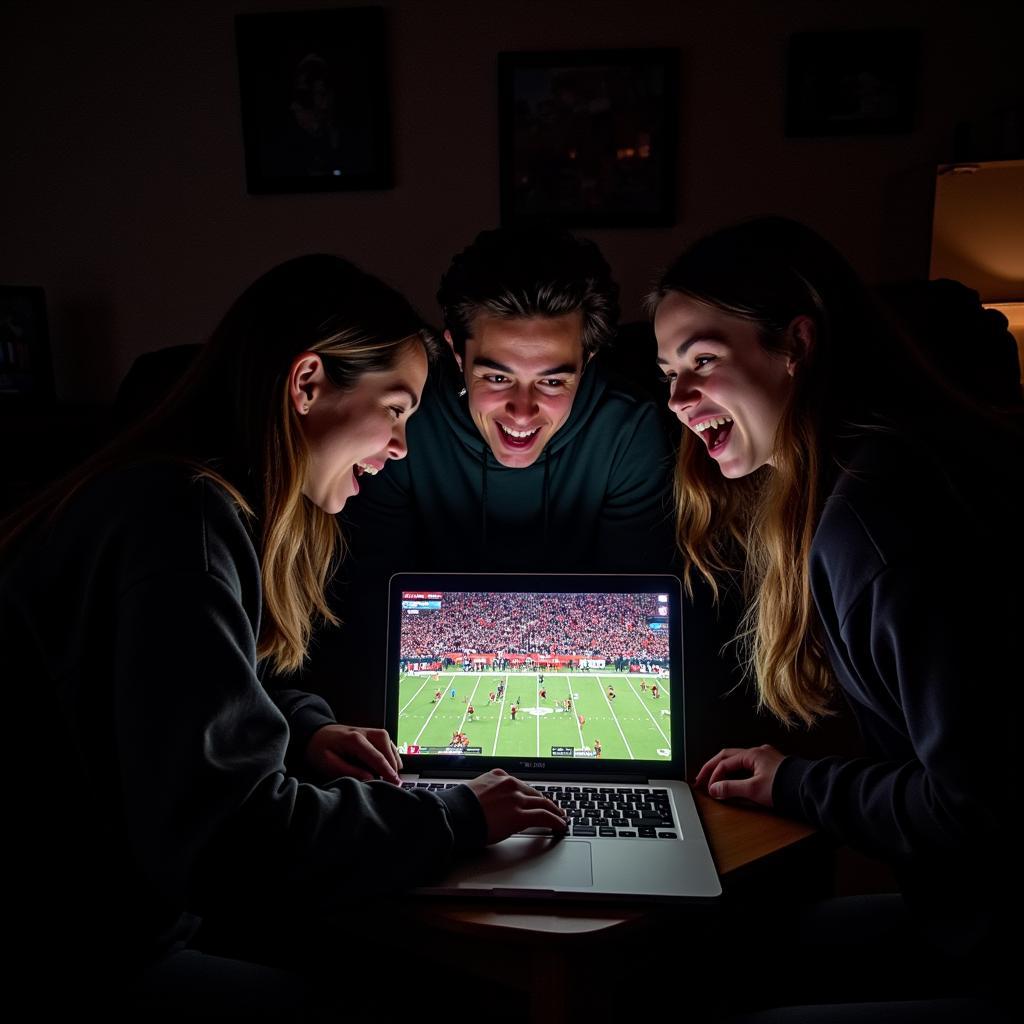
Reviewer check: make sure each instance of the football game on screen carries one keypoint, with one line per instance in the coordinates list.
(535, 675)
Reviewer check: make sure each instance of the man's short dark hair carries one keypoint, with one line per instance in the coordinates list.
(530, 272)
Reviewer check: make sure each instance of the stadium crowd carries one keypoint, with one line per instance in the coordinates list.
(589, 625)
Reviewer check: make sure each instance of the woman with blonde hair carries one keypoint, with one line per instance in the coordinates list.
(870, 515)
(141, 601)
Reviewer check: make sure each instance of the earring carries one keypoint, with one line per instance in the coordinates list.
(305, 409)
(462, 393)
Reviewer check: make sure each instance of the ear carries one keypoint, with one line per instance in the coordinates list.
(451, 345)
(801, 335)
(306, 381)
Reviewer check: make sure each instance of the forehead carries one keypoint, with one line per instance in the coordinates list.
(528, 343)
(409, 370)
(680, 318)
(677, 313)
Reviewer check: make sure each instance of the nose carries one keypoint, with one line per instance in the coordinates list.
(521, 404)
(397, 448)
(683, 395)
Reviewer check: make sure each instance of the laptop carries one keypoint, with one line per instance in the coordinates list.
(574, 684)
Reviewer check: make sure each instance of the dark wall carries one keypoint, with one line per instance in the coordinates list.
(122, 187)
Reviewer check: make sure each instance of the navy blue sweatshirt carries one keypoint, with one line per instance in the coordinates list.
(916, 575)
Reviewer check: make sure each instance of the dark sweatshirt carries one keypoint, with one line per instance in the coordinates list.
(596, 499)
(916, 575)
(151, 761)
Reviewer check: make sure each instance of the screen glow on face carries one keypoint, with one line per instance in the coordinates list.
(535, 675)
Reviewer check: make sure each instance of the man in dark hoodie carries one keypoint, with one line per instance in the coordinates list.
(523, 455)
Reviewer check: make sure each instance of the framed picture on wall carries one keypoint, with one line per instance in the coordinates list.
(588, 137)
(315, 104)
(852, 83)
(26, 374)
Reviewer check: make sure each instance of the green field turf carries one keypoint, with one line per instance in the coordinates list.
(631, 726)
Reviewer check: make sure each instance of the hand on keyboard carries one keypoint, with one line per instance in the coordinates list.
(512, 806)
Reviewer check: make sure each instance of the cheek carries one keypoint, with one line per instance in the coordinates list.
(484, 401)
(556, 407)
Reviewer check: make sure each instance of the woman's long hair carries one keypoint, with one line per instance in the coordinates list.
(760, 528)
(231, 418)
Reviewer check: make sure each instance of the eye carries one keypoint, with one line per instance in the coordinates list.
(700, 362)
(667, 376)
(496, 378)
(553, 382)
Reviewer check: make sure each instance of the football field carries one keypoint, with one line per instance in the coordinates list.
(632, 724)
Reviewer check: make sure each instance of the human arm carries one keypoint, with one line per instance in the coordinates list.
(208, 801)
(928, 673)
(318, 744)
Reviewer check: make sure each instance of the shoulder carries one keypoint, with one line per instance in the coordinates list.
(903, 502)
(612, 418)
(164, 516)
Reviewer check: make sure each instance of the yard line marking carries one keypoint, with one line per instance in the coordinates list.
(536, 707)
(576, 712)
(468, 702)
(597, 679)
(668, 742)
(416, 742)
(501, 715)
(415, 695)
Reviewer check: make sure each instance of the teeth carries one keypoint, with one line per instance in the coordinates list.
(518, 433)
(372, 470)
(716, 421)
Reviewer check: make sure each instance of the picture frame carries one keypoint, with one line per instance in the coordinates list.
(315, 100)
(26, 370)
(588, 137)
(852, 83)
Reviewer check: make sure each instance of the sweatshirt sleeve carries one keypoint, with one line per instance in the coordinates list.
(932, 669)
(208, 803)
(635, 530)
(305, 714)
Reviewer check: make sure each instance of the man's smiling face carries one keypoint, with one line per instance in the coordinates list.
(522, 375)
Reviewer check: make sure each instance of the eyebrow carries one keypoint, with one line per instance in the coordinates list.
(493, 365)
(401, 389)
(710, 335)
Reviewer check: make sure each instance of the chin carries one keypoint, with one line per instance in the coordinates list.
(330, 504)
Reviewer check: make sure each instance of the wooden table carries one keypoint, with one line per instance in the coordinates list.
(548, 941)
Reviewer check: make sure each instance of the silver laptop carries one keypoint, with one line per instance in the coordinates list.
(574, 684)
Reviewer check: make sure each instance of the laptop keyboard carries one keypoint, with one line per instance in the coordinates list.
(603, 812)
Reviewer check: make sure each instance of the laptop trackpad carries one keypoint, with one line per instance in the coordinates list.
(527, 862)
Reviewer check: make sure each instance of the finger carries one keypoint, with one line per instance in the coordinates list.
(530, 799)
(728, 766)
(540, 818)
(346, 768)
(542, 803)
(374, 759)
(705, 773)
(398, 757)
(382, 741)
(734, 789)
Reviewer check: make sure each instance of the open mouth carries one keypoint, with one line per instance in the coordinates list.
(517, 439)
(715, 433)
(363, 469)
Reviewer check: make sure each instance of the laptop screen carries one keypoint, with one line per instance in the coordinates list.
(545, 673)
